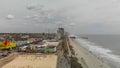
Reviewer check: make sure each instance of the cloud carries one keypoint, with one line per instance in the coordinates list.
(10, 16)
(78, 16)
(72, 24)
(32, 6)
(47, 16)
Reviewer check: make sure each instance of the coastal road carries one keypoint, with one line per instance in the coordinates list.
(86, 59)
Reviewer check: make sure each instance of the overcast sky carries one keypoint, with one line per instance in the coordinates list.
(77, 16)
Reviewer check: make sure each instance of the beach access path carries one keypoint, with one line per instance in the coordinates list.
(86, 59)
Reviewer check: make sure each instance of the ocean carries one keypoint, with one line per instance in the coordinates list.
(105, 47)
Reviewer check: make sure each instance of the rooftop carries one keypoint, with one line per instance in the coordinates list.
(53, 43)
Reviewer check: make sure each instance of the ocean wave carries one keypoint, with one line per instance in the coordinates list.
(105, 54)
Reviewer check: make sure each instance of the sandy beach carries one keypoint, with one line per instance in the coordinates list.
(86, 59)
(33, 61)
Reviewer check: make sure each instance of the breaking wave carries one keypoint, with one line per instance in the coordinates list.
(103, 54)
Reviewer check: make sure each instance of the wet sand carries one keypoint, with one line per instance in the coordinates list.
(86, 59)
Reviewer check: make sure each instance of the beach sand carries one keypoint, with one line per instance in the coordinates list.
(86, 59)
(33, 61)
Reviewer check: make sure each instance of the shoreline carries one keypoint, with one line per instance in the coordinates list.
(85, 58)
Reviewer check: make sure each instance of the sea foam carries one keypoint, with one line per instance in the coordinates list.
(105, 54)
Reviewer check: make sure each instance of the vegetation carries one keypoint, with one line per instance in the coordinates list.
(72, 51)
(64, 45)
(74, 63)
(74, 60)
